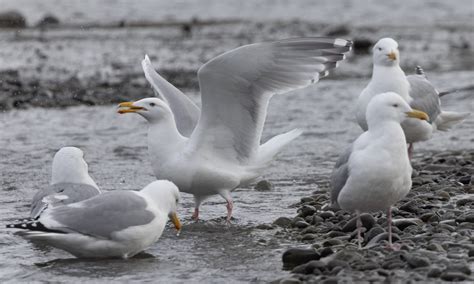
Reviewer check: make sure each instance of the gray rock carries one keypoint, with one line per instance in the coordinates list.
(410, 206)
(466, 217)
(418, 261)
(326, 251)
(309, 230)
(264, 227)
(308, 237)
(297, 256)
(301, 224)
(466, 180)
(332, 242)
(453, 276)
(382, 237)
(336, 263)
(439, 168)
(434, 272)
(461, 267)
(326, 214)
(308, 210)
(290, 281)
(435, 247)
(48, 21)
(348, 255)
(317, 220)
(375, 231)
(309, 267)
(465, 201)
(368, 222)
(404, 223)
(283, 222)
(263, 185)
(12, 19)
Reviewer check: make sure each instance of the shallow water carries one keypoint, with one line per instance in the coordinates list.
(209, 250)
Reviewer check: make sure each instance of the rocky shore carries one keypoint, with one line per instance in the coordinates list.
(433, 225)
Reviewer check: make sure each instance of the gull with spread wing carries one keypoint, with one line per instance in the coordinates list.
(220, 150)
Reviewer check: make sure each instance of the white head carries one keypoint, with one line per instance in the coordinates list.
(165, 194)
(386, 53)
(69, 167)
(390, 107)
(152, 109)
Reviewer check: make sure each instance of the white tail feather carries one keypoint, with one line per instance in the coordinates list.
(446, 119)
(267, 151)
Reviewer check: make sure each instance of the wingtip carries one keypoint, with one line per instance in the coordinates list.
(339, 42)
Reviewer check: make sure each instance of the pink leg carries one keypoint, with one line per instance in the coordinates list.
(389, 223)
(195, 216)
(359, 228)
(230, 206)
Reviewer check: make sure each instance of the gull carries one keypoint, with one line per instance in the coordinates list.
(375, 172)
(217, 149)
(115, 224)
(70, 182)
(387, 76)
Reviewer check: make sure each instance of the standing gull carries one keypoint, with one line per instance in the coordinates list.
(223, 150)
(70, 182)
(375, 172)
(387, 76)
(113, 224)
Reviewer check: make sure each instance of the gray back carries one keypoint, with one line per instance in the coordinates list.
(103, 214)
(425, 96)
(340, 174)
(55, 195)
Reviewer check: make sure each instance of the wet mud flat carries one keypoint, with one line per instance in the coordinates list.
(433, 225)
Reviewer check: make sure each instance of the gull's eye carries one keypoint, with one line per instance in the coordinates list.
(379, 48)
(177, 200)
(395, 105)
(152, 104)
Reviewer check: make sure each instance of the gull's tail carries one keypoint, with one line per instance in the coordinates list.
(446, 119)
(267, 151)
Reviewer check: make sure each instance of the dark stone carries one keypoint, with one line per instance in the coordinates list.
(336, 263)
(326, 214)
(297, 256)
(332, 242)
(308, 237)
(410, 206)
(404, 223)
(453, 276)
(466, 217)
(317, 220)
(301, 224)
(368, 222)
(348, 255)
(309, 230)
(461, 267)
(308, 210)
(393, 264)
(465, 180)
(369, 265)
(264, 227)
(439, 168)
(290, 281)
(309, 267)
(283, 222)
(465, 201)
(12, 19)
(263, 185)
(330, 281)
(47, 21)
(418, 261)
(326, 251)
(381, 237)
(434, 272)
(375, 231)
(435, 247)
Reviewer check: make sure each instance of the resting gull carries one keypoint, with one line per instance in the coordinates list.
(375, 172)
(115, 224)
(387, 76)
(220, 150)
(70, 182)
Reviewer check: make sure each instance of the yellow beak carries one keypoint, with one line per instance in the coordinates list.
(392, 55)
(418, 114)
(127, 107)
(175, 220)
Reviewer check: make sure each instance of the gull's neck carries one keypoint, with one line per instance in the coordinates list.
(388, 133)
(164, 141)
(390, 79)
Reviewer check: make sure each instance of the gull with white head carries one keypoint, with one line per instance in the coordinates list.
(217, 149)
(375, 172)
(70, 182)
(387, 76)
(115, 224)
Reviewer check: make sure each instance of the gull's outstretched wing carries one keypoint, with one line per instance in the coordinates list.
(237, 85)
(425, 96)
(185, 112)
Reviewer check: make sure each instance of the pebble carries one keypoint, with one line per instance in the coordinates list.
(332, 242)
(309, 230)
(317, 220)
(12, 19)
(309, 237)
(466, 217)
(264, 227)
(297, 256)
(308, 210)
(453, 276)
(368, 222)
(418, 261)
(435, 247)
(404, 223)
(466, 180)
(309, 267)
(263, 185)
(301, 224)
(410, 206)
(375, 231)
(465, 201)
(326, 214)
(283, 222)
(434, 272)
(290, 281)
(337, 263)
(326, 251)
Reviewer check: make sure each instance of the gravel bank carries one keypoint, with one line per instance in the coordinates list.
(433, 224)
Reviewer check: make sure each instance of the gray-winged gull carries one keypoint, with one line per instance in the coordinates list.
(223, 150)
(70, 182)
(387, 76)
(113, 224)
(375, 171)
